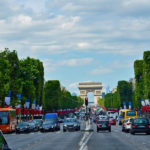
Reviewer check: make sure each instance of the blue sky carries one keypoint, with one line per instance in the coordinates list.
(78, 40)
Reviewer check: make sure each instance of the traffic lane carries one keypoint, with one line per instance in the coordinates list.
(117, 140)
(140, 139)
(24, 141)
(67, 140)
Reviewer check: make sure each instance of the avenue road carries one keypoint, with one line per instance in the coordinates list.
(80, 140)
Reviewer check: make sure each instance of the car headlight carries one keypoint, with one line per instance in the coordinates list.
(65, 125)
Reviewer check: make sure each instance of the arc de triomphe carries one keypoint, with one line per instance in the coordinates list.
(95, 87)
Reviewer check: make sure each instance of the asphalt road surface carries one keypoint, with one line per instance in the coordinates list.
(80, 140)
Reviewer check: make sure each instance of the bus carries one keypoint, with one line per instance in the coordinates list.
(127, 113)
(8, 119)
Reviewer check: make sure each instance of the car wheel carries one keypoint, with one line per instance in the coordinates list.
(97, 130)
(147, 133)
(122, 129)
(132, 132)
(109, 130)
(64, 130)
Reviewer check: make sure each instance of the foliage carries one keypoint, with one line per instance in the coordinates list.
(57, 97)
(146, 71)
(124, 90)
(139, 84)
(4, 77)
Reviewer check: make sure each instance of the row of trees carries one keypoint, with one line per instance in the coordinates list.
(26, 77)
(142, 77)
(123, 93)
(126, 91)
(57, 97)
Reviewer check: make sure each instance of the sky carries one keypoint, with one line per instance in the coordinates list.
(78, 40)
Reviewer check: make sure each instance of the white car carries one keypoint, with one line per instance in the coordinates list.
(127, 124)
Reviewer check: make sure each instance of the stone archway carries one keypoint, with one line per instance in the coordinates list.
(95, 87)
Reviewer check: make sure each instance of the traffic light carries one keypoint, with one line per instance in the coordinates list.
(86, 101)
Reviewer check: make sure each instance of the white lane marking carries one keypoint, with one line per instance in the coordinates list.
(84, 143)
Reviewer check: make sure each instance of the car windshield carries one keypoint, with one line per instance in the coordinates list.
(21, 124)
(141, 121)
(70, 120)
(4, 117)
(103, 122)
(47, 122)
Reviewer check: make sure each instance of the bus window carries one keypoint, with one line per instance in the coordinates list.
(4, 117)
(131, 113)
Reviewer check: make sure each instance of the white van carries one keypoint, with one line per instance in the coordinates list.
(112, 114)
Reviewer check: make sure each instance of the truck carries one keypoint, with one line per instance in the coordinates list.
(53, 118)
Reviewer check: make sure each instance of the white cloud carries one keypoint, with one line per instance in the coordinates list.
(74, 85)
(76, 62)
(101, 71)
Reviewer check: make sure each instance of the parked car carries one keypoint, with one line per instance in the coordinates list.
(103, 125)
(23, 127)
(71, 124)
(33, 126)
(126, 126)
(140, 125)
(112, 121)
(3, 143)
(47, 126)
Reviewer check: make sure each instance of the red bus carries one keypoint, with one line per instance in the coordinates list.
(8, 119)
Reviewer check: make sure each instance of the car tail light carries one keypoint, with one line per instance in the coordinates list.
(128, 123)
(99, 125)
(148, 125)
(109, 125)
(134, 126)
(123, 125)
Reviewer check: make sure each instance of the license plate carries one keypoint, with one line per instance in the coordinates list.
(103, 125)
(141, 126)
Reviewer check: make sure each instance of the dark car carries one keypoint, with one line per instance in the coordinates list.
(22, 127)
(33, 126)
(47, 126)
(3, 143)
(71, 124)
(140, 125)
(103, 125)
(38, 122)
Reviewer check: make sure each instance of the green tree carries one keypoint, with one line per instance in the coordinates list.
(139, 84)
(52, 95)
(15, 87)
(146, 71)
(124, 92)
(4, 77)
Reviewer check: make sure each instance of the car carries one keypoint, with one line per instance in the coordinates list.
(33, 126)
(103, 125)
(53, 118)
(38, 122)
(47, 126)
(71, 124)
(3, 143)
(23, 127)
(140, 125)
(126, 126)
(112, 121)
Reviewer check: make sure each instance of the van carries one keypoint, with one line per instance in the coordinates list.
(127, 113)
(53, 118)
